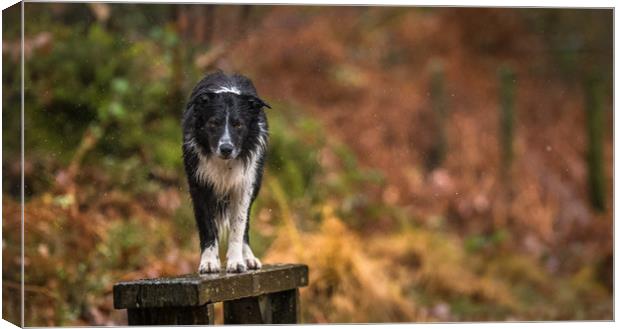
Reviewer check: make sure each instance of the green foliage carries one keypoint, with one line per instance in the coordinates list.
(293, 149)
(129, 248)
(478, 242)
(90, 78)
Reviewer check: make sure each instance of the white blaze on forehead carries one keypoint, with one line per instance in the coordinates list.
(227, 89)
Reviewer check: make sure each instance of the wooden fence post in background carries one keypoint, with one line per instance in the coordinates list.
(439, 108)
(506, 134)
(506, 119)
(595, 130)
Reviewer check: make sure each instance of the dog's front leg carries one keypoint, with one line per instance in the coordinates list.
(202, 199)
(234, 255)
(237, 222)
(248, 256)
(209, 260)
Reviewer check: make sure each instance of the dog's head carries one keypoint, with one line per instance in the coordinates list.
(224, 119)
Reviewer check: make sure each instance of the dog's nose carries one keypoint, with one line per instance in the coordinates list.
(226, 149)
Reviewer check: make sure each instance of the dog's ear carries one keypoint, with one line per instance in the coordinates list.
(199, 101)
(256, 103)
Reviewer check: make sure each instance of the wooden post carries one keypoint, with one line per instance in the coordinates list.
(438, 152)
(595, 129)
(275, 308)
(269, 295)
(507, 119)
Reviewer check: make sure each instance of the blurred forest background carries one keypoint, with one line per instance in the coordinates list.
(428, 164)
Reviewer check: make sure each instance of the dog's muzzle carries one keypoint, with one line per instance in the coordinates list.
(226, 150)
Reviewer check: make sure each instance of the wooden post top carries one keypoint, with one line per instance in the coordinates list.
(199, 289)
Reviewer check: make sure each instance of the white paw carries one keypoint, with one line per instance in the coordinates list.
(209, 266)
(235, 265)
(253, 263)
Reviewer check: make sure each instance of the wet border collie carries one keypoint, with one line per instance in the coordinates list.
(224, 142)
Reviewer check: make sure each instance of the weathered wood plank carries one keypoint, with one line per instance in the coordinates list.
(195, 290)
(188, 315)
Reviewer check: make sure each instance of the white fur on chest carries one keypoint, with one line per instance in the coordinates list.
(226, 176)
(232, 179)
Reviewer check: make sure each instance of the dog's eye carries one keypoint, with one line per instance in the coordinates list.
(236, 124)
(212, 124)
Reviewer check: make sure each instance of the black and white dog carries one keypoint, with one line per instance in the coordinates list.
(224, 142)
